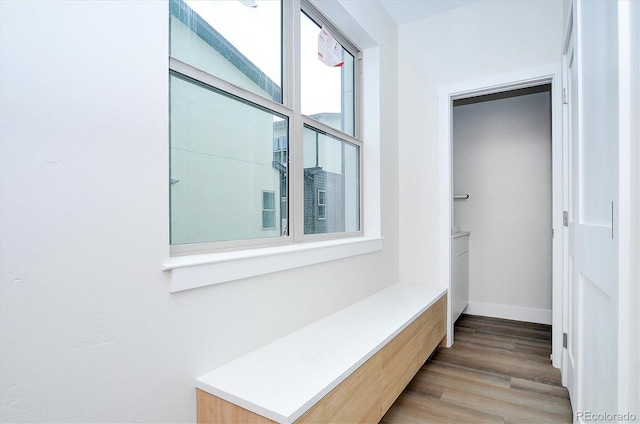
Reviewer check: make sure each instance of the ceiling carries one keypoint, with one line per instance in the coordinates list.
(403, 11)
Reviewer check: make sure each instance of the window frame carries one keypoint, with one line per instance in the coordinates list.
(289, 107)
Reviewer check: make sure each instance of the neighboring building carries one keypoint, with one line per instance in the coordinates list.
(325, 208)
(323, 201)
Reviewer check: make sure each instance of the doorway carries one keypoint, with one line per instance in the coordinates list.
(525, 79)
(501, 161)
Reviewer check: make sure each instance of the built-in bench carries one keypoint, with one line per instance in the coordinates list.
(348, 367)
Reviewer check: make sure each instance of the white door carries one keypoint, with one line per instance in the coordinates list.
(591, 76)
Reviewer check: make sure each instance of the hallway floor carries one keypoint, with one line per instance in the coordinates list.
(498, 371)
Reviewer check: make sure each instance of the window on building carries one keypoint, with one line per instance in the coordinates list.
(322, 204)
(234, 126)
(268, 210)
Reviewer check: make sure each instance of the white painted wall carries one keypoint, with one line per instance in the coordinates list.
(502, 159)
(475, 41)
(89, 330)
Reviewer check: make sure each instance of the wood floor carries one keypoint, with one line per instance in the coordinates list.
(498, 371)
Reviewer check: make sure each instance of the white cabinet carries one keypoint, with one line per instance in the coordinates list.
(460, 274)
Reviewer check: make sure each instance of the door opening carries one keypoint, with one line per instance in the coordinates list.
(524, 79)
(502, 202)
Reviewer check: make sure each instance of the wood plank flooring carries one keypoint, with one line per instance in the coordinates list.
(498, 371)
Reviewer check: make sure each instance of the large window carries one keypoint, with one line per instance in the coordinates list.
(252, 163)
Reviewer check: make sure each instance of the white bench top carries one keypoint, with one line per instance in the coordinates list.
(285, 378)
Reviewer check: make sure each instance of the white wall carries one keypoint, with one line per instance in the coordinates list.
(475, 41)
(89, 330)
(502, 159)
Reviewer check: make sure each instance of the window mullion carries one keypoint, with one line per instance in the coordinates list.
(224, 87)
(322, 127)
(292, 64)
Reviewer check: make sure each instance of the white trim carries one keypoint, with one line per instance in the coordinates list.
(370, 198)
(567, 45)
(493, 84)
(628, 206)
(558, 192)
(565, 207)
(517, 313)
(193, 271)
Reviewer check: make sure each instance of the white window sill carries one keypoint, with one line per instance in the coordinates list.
(193, 271)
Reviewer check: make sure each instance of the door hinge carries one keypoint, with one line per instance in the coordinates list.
(565, 337)
(565, 218)
(565, 97)
(612, 220)
(553, 233)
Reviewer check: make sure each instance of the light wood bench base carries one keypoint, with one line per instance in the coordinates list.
(366, 394)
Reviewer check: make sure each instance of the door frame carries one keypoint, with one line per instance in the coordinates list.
(568, 39)
(548, 74)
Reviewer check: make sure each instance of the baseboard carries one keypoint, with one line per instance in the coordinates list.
(517, 313)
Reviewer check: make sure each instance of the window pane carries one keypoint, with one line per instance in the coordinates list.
(331, 184)
(268, 200)
(322, 197)
(327, 92)
(234, 42)
(268, 220)
(221, 166)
